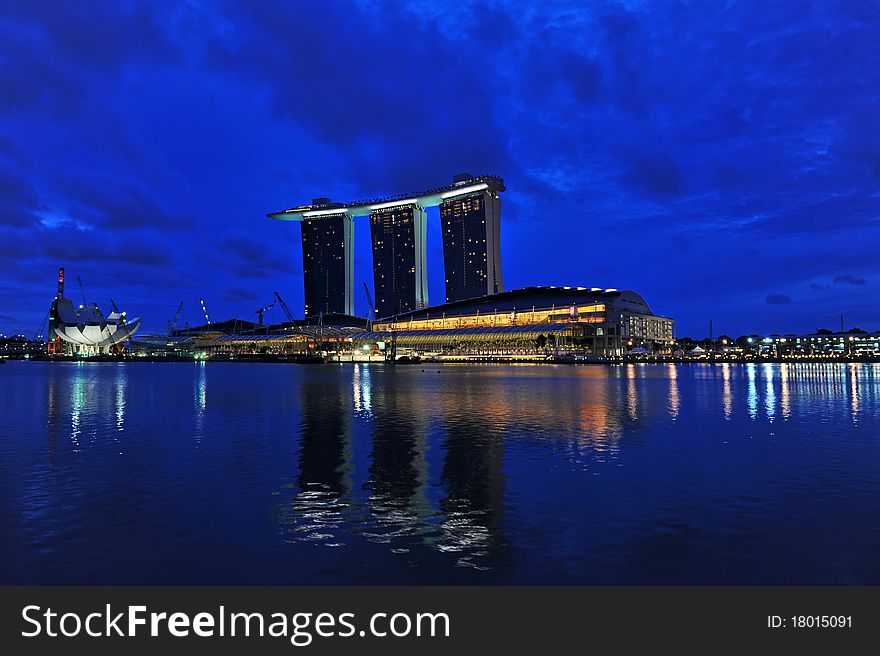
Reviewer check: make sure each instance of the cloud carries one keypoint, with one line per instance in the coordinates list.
(848, 279)
(778, 299)
(19, 203)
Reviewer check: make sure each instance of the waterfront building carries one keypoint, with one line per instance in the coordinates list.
(471, 216)
(578, 320)
(400, 275)
(85, 330)
(328, 260)
(820, 344)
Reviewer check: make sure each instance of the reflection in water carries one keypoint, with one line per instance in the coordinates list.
(727, 394)
(318, 511)
(770, 394)
(399, 469)
(674, 402)
(52, 418)
(77, 403)
(752, 398)
(474, 483)
(200, 402)
(121, 389)
(853, 372)
(362, 388)
(464, 474)
(121, 382)
(785, 398)
(632, 400)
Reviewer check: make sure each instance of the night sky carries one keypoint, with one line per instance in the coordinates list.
(720, 158)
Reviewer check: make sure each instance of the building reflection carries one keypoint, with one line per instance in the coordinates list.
(398, 473)
(853, 372)
(200, 401)
(727, 393)
(472, 473)
(52, 413)
(674, 399)
(318, 510)
(785, 391)
(770, 392)
(362, 389)
(752, 397)
(632, 399)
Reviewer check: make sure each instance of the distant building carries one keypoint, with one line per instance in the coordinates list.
(826, 343)
(400, 274)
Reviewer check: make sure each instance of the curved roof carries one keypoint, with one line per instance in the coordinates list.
(86, 326)
(539, 297)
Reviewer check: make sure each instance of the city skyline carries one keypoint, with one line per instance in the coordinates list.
(723, 161)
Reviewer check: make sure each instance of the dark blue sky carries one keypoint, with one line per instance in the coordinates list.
(721, 158)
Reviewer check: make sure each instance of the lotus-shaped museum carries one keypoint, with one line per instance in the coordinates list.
(87, 326)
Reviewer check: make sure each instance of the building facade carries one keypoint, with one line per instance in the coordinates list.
(328, 264)
(400, 275)
(535, 321)
(470, 210)
(471, 228)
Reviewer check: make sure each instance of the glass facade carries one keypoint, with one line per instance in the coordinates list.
(471, 245)
(328, 263)
(400, 276)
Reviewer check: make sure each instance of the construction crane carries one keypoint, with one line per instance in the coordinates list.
(369, 298)
(259, 312)
(114, 306)
(284, 307)
(205, 310)
(172, 323)
(39, 333)
(81, 290)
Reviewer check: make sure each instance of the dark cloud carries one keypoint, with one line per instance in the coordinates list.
(656, 173)
(68, 243)
(19, 203)
(849, 279)
(778, 299)
(105, 201)
(240, 294)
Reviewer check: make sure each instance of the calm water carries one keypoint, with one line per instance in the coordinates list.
(274, 473)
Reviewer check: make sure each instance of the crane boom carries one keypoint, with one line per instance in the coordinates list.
(284, 307)
(370, 302)
(81, 290)
(259, 312)
(172, 323)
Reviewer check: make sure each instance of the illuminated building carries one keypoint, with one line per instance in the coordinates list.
(84, 329)
(470, 217)
(470, 211)
(400, 277)
(328, 260)
(594, 322)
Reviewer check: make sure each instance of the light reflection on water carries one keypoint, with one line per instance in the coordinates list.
(501, 474)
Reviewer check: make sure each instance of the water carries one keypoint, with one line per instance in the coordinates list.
(355, 474)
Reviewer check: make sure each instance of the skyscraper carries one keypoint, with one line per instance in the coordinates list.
(471, 223)
(400, 276)
(328, 264)
(470, 212)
